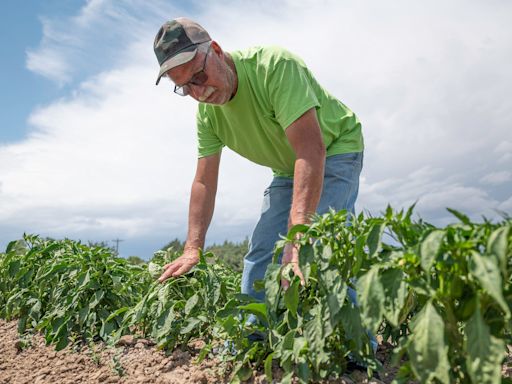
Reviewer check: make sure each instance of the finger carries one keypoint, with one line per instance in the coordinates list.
(168, 272)
(182, 269)
(298, 272)
(285, 284)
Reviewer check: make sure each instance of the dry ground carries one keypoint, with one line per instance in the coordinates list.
(135, 361)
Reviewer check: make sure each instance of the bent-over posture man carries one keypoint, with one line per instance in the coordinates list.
(266, 105)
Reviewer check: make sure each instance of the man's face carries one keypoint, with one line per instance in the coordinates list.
(207, 78)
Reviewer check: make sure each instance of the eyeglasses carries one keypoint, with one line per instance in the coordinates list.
(199, 78)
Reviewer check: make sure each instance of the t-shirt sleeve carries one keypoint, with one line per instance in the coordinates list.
(208, 143)
(290, 92)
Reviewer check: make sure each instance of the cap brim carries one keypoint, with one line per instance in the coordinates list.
(179, 59)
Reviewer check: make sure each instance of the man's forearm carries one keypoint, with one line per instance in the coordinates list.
(202, 203)
(307, 187)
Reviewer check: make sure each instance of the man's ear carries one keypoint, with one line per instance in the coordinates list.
(216, 47)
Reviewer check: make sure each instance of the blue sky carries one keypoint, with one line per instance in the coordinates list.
(90, 149)
(21, 89)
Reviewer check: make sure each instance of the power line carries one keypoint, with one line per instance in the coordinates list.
(117, 241)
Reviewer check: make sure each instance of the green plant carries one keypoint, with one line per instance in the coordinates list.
(64, 288)
(183, 308)
(441, 296)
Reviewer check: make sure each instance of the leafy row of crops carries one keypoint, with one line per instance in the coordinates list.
(441, 296)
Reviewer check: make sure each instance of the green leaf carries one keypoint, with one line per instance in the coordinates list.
(98, 295)
(497, 246)
(191, 323)
(286, 343)
(298, 228)
(395, 294)
(258, 309)
(287, 378)
(304, 373)
(314, 334)
(370, 296)
(272, 285)
(358, 254)
(486, 271)
(191, 303)
(335, 292)
(205, 351)
(22, 324)
(427, 350)
(459, 216)
(35, 310)
(375, 239)
(107, 328)
(168, 317)
(82, 315)
(268, 367)
(86, 279)
(117, 313)
(154, 270)
(324, 257)
(18, 247)
(62, 341)
(291, 297)
(259, 285)
(306, 259)
(299, 346)
(14, 267)
(351, 321)
(485, 353)
(429, 249)
(244, 373)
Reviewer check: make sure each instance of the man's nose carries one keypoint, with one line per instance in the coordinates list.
(200, 92)
(197, 90)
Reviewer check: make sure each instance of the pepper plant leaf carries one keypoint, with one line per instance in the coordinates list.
(370, 296)
(486, 271)
(427, 349)
(395, 294)
(497, 246)
(430, 248)
(485, 353)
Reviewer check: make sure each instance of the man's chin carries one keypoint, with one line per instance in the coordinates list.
(214, 99)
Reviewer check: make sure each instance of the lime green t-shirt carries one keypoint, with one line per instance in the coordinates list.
(275, 88)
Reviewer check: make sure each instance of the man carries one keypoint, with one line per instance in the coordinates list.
(264, 104)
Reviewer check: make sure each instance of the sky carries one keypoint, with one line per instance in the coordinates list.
(91, 149)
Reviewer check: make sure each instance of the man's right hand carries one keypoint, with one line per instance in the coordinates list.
(181, 265)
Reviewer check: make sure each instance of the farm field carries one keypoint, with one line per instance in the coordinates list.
(133, 361)
(440, 297)
(137, 361)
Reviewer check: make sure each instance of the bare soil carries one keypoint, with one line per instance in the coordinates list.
(133, 361)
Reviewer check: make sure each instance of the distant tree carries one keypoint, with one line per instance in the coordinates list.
(177, 246)
(135, 260)
(103, 244)
(229, 252)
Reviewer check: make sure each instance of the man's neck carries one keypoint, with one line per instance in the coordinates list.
(231, 65)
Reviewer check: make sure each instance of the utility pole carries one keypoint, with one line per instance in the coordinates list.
(117, 241)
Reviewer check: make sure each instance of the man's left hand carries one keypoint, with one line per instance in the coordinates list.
(291, 255)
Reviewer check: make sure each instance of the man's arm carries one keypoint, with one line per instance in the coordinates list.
(306, 139)
(202, 203)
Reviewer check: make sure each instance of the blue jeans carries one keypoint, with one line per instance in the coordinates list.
(340, 188)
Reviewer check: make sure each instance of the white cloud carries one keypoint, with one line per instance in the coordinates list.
(506, 206)
(115, 158)
(496, 178)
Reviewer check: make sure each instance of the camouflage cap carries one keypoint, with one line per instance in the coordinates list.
(176, 43)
